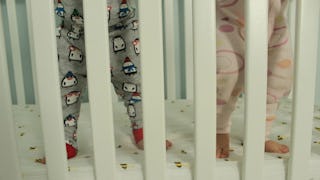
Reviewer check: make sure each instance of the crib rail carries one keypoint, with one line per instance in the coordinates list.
(304, 91)
(255, 88)
(170, 49)
(100, 106)
(8, 151)
(205, 114)
(49, 95)
(153, 93)
(16, 55)
(200, 65)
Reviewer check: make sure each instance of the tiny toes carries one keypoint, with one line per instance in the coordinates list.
(221, 153)
(284, 149)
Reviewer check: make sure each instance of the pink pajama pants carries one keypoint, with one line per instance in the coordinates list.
(230, 59)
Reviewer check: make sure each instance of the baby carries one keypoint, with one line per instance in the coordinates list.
(230, 67)
(122, 17)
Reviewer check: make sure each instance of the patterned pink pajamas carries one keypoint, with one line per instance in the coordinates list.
(230, 59)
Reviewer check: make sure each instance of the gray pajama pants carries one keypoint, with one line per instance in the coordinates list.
(124, 59)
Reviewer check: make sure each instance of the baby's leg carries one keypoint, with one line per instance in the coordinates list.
(280, 74)
(230, 65)
(125, 62)
(72, 67)
(224, 124)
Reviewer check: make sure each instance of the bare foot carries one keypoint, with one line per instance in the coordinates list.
(140, 144)
(223, 146)
(274, 147)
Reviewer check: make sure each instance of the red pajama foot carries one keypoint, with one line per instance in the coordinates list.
(138, 135)
(71, 151)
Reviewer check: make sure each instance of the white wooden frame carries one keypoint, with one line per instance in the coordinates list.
(10, 165)
(256, 15)
(153, 89)
(153, 93)
(100, 106)
(204, 71)
(16, 53)
(170, 55)
(307, 26)
(50, 106)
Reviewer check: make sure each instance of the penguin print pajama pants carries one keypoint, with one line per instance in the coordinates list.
(230, 59)
(124, 58)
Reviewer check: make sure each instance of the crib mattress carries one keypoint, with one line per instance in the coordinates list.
(180, 126)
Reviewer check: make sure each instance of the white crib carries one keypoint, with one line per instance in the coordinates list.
(109, 162)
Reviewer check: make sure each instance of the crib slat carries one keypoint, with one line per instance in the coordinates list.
(292, 19)
(152, 89)
(97, 53)
(188, 47)
(32, 56)
(256, 15)
(170, 51)
(307, 31)
(16, 53)
(10, 168)
(205, 88)
(43, 25)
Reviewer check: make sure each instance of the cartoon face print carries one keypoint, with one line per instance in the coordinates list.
(76, 17)
(72, 97)
(60, 9)
(75, 54)
(227, 3)
(229, 62)
(70, 121)
(128, 67)
(131, 110)
(73, 35)
(118, 44)
(69, 80)
(78, 29)
(119, 27)
(129, 87)
(135, 98)
(124, 9)
(136, 45)
(135, 25)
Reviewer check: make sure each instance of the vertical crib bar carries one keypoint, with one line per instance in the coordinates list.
(97, 53)
(307, 31)
(256, 15)
(205, 88)
(292, 19)
(16, 53)
(9, 162)
(152, 89)
(188, 46)
(32, 56)
(170, 49)
(43, 25)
